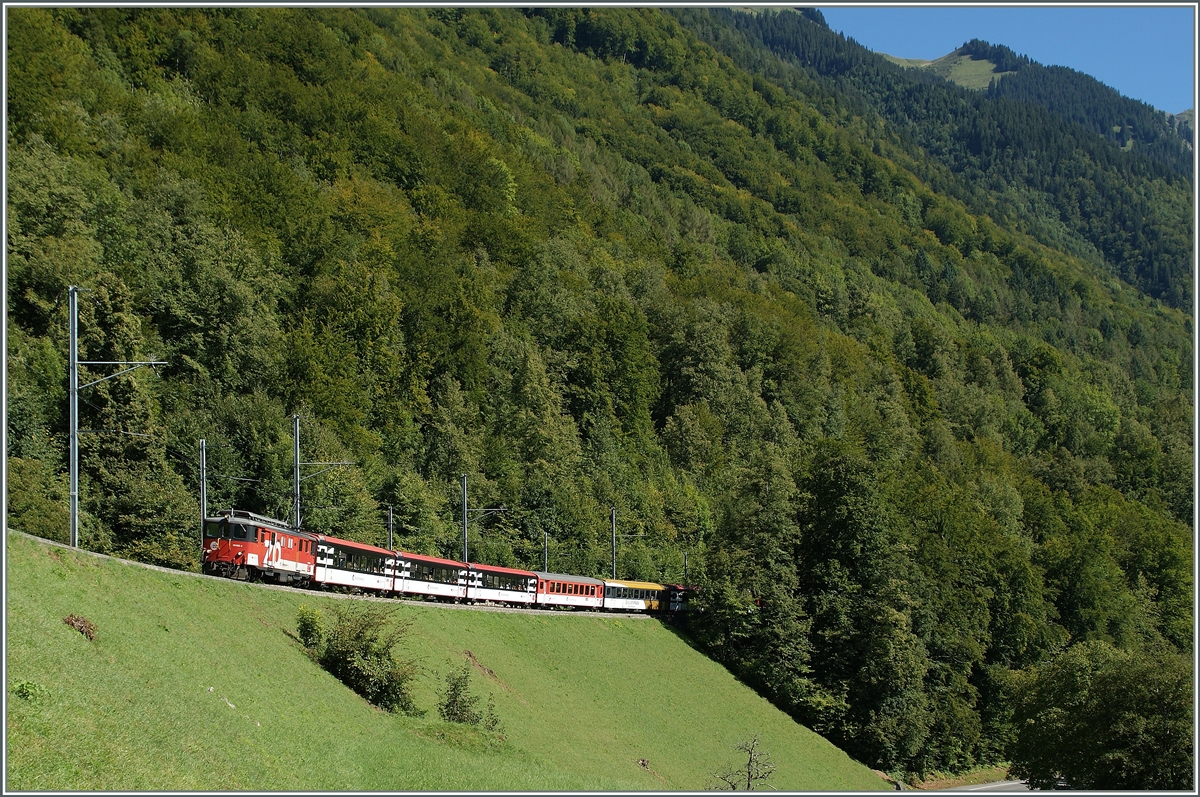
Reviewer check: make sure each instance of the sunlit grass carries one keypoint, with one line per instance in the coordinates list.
(194, 683)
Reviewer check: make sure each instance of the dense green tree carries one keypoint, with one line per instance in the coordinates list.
(1102, 718)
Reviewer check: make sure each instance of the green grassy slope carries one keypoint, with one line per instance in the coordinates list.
(965, 70)
(582, 698)
(956, 67)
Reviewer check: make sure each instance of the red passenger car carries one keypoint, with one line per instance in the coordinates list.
(561, 589)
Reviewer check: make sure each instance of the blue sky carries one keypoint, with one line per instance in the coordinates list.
(1143, 52)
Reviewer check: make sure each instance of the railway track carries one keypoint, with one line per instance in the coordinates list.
(342, 595)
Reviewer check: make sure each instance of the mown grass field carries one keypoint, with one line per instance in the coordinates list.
(195, 683)
(964, 70)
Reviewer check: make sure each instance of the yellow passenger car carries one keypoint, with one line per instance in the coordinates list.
(634, 596)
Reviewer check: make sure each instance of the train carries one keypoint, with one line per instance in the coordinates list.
(246, 546)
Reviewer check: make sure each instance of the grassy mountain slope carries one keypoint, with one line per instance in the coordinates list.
(957, 67)
(581, 699)
(964, 70)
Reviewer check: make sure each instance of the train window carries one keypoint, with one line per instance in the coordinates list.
(239, 532)
(289, 542)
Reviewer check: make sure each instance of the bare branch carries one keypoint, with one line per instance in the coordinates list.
(757, 769)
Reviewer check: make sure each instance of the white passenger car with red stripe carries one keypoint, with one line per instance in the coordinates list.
(442, 579)
(494, 584)
(343, 563)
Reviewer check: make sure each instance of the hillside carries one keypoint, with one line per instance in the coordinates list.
(907, 429)
(1049, 150)
(958, 67)
(581, 699)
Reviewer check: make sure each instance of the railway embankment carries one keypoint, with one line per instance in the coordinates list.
(200, 683)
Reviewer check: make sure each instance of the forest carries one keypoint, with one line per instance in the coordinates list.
(1055, 152)
(930, 464)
